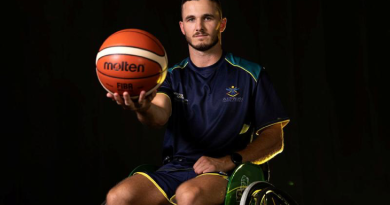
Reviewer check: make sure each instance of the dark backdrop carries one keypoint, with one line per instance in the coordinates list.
(64, 142)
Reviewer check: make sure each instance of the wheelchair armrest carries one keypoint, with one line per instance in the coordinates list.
(242, 176)
(144, 168)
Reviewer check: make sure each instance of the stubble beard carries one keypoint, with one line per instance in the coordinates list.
(202, 46)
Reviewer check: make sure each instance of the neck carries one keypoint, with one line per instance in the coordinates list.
(205, 58)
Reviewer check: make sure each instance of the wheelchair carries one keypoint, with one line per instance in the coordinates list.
(248, 185)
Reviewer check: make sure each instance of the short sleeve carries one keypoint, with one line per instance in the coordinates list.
(268, 109)
(166, 86)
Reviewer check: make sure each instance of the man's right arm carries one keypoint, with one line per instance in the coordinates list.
(153, 110)
(158, 113)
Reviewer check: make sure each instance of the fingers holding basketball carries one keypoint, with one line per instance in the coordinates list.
(128, 103)
(144, 101)
(121, 101)
(151, 96)
(109, 95)
(146, 98)
(125, 102)
(140, 105)
(113, 98)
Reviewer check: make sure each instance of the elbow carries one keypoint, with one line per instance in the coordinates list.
(156, 124)
(279, 146)
(153, 125)
(162, 120)
(153, 121)
(280, 142)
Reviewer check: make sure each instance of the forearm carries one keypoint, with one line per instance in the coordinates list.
(268, 144)
(155, 116)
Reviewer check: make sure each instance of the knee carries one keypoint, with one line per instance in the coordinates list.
(187, 194)
(119, 195)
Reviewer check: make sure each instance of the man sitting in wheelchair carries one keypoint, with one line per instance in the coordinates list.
(222, 111)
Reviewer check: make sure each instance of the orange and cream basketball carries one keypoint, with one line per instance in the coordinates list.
(131, 60)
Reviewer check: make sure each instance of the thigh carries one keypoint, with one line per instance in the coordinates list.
(136, 189)
(204, 189)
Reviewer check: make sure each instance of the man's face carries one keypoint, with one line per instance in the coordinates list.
(201, 24)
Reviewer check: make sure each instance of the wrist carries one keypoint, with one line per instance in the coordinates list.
(143, 110)
(229, 165)
(236, 159)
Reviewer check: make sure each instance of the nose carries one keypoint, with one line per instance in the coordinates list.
(199, 25)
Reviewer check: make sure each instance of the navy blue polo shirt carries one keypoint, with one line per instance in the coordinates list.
(217, 109)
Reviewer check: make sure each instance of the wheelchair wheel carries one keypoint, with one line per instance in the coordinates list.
(264, 193)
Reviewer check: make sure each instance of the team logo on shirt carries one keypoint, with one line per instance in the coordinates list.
(233, 92)
(180, 97)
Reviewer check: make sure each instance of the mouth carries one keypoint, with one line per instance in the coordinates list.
(200, 35)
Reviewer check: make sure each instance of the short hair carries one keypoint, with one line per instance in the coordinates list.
(218, 2)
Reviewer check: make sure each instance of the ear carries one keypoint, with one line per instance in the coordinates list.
(222, 27)
(182, 27)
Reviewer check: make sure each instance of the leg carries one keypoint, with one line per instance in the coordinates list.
(137, 190)
(203, 190)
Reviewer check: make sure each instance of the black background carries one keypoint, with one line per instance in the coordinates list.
(64, 142)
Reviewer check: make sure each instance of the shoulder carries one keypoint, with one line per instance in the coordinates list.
(180, 65)
(251, 68)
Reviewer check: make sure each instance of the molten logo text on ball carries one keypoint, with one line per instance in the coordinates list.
(124, 66)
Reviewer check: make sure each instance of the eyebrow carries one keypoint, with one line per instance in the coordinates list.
(189, 16)
(208, 15)
(203, 16)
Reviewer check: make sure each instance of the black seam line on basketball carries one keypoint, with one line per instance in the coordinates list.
(162, 48)
(137, 56)
(149, 76)
(148, 37)
(131, 47)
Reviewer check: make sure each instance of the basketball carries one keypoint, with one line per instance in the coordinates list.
(131, 60)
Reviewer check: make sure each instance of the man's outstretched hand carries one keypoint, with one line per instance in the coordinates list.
(142, 104)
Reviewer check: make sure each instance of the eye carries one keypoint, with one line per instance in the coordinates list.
(208, 18)
(190, 19)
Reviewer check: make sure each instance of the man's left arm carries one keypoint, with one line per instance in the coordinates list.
(268, 144)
